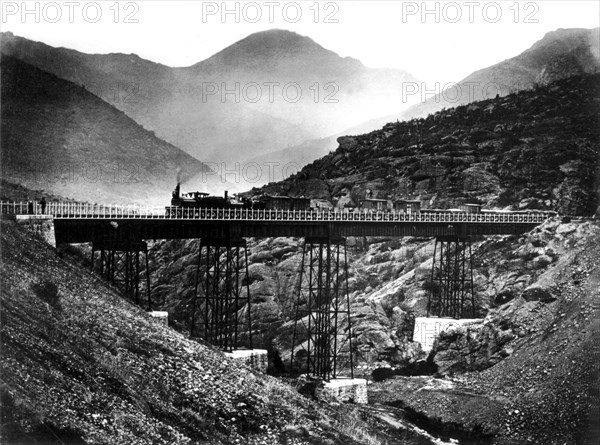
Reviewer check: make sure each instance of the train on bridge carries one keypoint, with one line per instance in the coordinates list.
(183, 203)
(200, 200)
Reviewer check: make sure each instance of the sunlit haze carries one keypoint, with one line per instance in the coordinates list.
(435, 41)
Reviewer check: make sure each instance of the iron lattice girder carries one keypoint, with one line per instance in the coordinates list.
(322, 325)
(452, 294)
(120, 265)
(225, 304)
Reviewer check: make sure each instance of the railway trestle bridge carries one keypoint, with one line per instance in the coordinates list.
(322, 337)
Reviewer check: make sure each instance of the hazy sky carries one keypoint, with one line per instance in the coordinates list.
(435, 41)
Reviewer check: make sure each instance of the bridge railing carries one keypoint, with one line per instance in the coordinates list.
(73, 210)
(14, 208)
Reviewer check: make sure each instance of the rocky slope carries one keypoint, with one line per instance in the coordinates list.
(80, 365)
(58, 137)
(534, 149)
(528, 373)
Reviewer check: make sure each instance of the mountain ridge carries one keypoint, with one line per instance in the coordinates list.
(567, 66)
(328, 93)
(59, 136)
(275, 42)
(520, 72)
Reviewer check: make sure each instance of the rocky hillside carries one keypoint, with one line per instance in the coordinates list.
(528, 373)
(533, 149)
(59, 138)
(80, 365)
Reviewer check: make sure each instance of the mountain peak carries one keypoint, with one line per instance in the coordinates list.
(563, 33)
(275, 41)
(270, 47)
(567, 39)
(278, 34)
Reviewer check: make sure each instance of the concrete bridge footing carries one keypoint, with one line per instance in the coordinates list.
(253, 358)
(345, 390)
(41, 225)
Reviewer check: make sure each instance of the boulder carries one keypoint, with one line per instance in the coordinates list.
(504, 297)
(538, 293)
(449, 361)
(347, 143)
(542, 261)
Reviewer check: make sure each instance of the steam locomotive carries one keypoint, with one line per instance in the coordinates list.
(202, 200)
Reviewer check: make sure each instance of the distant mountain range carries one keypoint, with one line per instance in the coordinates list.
(185, 107)
(559, 54)
(60, 138)
(289, 90)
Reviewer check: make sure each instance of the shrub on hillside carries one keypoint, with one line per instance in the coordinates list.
(47, 291)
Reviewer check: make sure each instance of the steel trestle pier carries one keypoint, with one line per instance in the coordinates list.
(120, 265)
(224, 301)
(452, 294)
(321, 344)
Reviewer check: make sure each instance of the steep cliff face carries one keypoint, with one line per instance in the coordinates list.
(534, 149)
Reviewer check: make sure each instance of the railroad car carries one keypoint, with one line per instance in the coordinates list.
(199, 200)
(286, 203)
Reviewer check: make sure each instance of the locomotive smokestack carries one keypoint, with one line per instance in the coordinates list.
(178, 186)
(226, 195)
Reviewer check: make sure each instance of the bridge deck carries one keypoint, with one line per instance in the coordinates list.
(75, 223)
